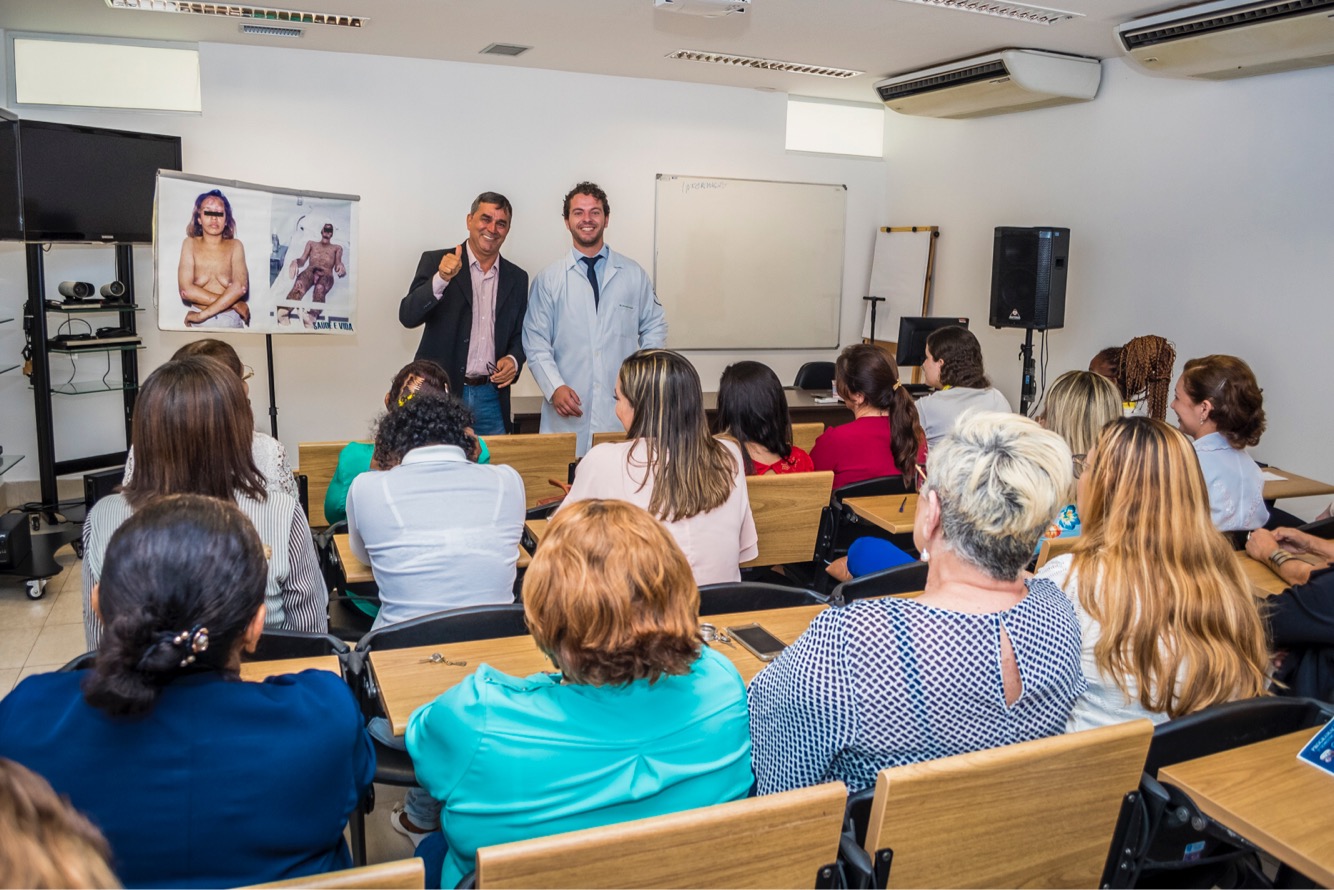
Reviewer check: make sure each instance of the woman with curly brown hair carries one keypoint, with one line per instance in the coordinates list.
(1220, 406)
(640, 718)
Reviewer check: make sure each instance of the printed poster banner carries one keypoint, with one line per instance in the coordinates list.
(235, 257)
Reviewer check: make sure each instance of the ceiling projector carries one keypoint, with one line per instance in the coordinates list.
(707, 8)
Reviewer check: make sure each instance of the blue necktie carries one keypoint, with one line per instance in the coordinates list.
(591, 262)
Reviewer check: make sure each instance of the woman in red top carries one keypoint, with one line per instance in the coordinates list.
(885, 437)
(753, 410)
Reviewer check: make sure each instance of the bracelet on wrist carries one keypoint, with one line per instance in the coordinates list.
(1278, 557)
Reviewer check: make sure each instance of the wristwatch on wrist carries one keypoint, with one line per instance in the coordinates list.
(1278, 557)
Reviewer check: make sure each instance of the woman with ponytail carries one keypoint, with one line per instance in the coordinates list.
(885, 437)
(197, 778)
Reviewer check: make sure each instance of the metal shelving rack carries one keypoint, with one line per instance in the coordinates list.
(49, 468)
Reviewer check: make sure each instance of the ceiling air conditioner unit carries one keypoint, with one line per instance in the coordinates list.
(710, 9)
(997, 83)
(1227, 39)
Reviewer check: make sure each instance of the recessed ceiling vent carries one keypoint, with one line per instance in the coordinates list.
(229, 10)
(270, 31)
(505, 49)
(696, 55)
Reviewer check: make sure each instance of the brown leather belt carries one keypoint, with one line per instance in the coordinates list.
(479, 380)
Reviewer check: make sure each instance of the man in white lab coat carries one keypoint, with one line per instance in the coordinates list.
(586, 312)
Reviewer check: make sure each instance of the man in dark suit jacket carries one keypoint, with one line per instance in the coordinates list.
(472, 302)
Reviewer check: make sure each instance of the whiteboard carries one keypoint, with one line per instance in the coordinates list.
(749, 264)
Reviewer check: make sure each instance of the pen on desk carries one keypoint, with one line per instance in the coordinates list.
(902, 505)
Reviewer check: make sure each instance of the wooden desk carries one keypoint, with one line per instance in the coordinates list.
(256, 671)
(1260, 575)
(1266, 795)
(895, 513)
(1293, 486)
(801, 408)
(357, 572)
(407, 680)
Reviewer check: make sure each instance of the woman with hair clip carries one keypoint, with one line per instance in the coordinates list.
(1168, 621)
(192, 433)
(421, 376)
(671, 466)
(1077, 407)
(197, 778)
(1221, 407)
(639, 718)
(953, 367)
(752, 409)
(270, 455)
(884, 438)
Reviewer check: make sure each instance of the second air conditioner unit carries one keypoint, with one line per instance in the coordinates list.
(997, 83)
(1227, 39)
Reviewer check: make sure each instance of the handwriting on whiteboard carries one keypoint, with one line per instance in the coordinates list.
(700, 186)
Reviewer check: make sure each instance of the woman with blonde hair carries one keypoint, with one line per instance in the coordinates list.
(1168, 621)
(1078, 405)
(670, 465)
(640, 718)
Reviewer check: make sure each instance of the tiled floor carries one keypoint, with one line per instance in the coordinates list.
(43, 634)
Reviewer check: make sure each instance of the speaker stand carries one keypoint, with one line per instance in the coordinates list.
(1029, 388)
(873, 301)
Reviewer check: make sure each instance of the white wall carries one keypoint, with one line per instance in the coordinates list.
(1198, 211)
(417, 140)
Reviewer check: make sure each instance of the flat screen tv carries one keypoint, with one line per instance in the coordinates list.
(11, 217)
(89, 183)
(912, 337)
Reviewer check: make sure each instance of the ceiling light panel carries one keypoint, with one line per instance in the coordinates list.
(1034, 15)
(228, 10)
(694, 55)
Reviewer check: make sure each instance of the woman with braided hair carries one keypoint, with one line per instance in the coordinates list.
(197, 778)
(1144, 369)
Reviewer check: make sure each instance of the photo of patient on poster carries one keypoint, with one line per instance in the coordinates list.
(218, 277)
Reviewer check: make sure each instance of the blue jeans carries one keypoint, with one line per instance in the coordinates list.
(485, 404)
(423, 810)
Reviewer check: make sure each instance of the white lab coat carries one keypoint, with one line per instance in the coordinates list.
(569, 343)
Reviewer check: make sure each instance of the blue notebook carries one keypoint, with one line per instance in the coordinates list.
(1319, 752)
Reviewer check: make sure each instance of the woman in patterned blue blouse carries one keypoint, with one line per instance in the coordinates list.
(982, 658)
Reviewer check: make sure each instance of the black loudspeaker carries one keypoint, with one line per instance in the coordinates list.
(1028, 269)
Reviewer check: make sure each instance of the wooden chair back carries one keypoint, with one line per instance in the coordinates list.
(538, 457)
(787, 515)
(407, 874)
(1035, 814)
(780, 840)
(317, 462)
(805, 434)
(599, 438)
(1054, 547)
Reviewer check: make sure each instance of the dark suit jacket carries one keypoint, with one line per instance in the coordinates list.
(449, 320)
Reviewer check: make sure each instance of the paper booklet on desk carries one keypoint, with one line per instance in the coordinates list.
(1319, 752)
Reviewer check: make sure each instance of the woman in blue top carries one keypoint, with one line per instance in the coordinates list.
(640, 720)
(982, 658)
(1219, 404)
(196, 778)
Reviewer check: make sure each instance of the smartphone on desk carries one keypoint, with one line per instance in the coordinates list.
(762, 644)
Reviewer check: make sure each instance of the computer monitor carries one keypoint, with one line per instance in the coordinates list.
(912, 338)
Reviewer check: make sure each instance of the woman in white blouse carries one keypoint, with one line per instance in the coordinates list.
(1219, 405)
(669, 465)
